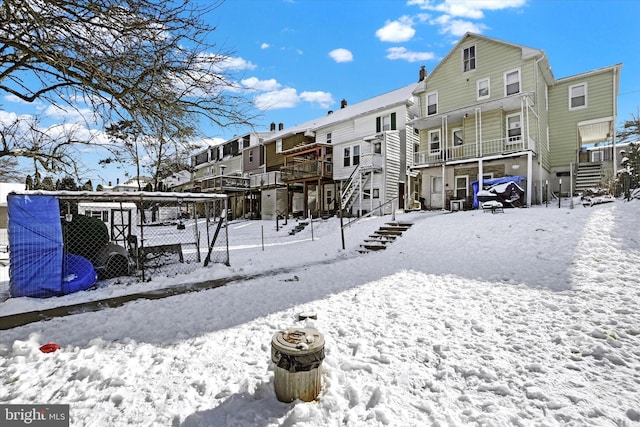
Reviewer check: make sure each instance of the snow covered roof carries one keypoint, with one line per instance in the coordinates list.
(387, 100)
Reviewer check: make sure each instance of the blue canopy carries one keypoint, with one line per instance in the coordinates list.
(35, 246)
(493, 181)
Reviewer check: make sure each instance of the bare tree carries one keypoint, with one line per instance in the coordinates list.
(149, 62)
(51, 149)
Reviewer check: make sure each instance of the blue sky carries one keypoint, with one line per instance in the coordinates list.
(305, 56)
(297, 59)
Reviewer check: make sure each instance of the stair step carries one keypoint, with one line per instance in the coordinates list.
(383, 236)
(373, 247)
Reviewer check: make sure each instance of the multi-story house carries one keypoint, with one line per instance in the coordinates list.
(492, 109)
(220, 168)
(355, 158)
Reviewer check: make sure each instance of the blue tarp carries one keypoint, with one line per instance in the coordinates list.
(493, 181)
(35, 246)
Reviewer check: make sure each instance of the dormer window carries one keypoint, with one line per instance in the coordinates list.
(469, 59)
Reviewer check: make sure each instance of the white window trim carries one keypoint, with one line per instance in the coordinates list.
(586, 96)
(466, 187)
(436, 104)
(506, 121)
(475, 57)
(546, 97)
(519, 81)
(278, 146)
(488, 95)
(430, 141)
(453, 140)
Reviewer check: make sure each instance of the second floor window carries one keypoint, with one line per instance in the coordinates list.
(514, 128)
(511, 82)
(578, 96)
(356, 155)
(434, 141)
(347, 157)
(457, 137)
(251, 156)
(469, 59)
(329, 138)
(432, 103)
(278, 146)
(483, 88)
(387, 122)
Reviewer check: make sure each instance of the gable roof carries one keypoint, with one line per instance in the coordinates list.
(387, 100)
(527, 52)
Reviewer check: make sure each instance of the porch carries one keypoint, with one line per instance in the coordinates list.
(473, 150)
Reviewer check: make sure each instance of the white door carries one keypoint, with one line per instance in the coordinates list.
(436, 192)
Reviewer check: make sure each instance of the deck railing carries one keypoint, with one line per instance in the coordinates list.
(471, 150)
(306, 169)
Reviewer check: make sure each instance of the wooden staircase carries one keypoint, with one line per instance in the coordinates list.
(588, 175)
(384, 236)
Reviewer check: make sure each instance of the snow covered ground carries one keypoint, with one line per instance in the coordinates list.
(529, 317)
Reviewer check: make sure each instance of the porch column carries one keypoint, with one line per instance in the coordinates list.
(529, 176)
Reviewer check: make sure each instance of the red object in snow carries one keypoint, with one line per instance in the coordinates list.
(49, 348)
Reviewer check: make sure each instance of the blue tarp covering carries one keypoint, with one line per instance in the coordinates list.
(493, 181)
(35, 246)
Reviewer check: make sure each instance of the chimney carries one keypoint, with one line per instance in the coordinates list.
(280, 126)
(117, 181)
(423, 73)
(272, 128)
(330, 112)
(343, 103)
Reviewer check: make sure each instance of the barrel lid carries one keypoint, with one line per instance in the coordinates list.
(299, 341)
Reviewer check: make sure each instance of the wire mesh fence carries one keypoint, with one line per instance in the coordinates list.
(61, 242)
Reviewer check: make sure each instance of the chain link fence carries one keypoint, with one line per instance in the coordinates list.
(77, 240)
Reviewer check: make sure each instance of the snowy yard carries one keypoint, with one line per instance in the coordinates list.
(528, 317)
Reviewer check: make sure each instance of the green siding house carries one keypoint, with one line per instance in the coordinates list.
(493, 109)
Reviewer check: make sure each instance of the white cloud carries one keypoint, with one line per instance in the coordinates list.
(341, 55)
(472, 9)
(253, 83)
(231, 63)
(323, 99)
(406, 55)
(68, 114)
(397, 31)
(458, 27)
(265, 46)
(284, 98)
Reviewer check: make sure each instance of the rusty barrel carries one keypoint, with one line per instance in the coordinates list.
(297, 355)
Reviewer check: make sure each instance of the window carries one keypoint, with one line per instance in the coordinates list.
(329, 198)
(434, 144)
(514, 129)
(462, 187)
(546, 97)
(469, 59)
(512, 82)
(578, 96)
(278, 146)
(384, 123)
(250, 156)
(457, 137)
(483, 88)
(356, 155)
(377, 147)
(329, 138)
(432, 103)
(101, 215)
(347, 157)
(376, 193)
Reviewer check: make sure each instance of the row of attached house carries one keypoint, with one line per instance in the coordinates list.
(490, 109)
